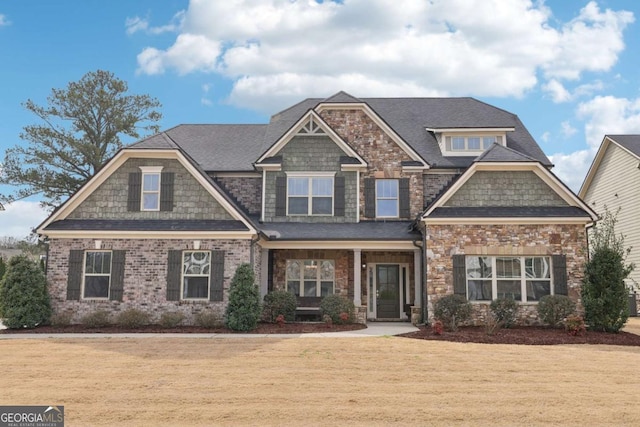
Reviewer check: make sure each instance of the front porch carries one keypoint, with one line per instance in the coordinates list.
(384, 284)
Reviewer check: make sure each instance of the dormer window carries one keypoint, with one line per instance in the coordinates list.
(471, 143)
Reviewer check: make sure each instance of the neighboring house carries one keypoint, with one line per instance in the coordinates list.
(613, 182)
(390, 202)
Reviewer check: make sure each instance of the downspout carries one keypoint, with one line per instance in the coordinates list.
(422, 275)
(425, 314)
(251, 250)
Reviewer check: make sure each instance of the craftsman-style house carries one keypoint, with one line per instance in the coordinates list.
(391, 202)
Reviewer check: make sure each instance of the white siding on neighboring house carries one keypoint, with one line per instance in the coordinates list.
(616, 184)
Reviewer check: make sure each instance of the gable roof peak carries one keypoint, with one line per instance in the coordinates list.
(342, 97)
(500, 153)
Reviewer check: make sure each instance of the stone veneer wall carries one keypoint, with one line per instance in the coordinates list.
(434, 184)
(246, 190)
(382, 154)
(505, 188)
(443, 241)
(190, 199)
(145, 280)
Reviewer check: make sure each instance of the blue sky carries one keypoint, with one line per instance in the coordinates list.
(568, 69)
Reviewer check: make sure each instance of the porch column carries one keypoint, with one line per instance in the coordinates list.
(417, 262)
(264, 272)
(357, 279)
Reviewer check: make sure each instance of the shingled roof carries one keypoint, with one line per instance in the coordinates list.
(218, 147)
(630, 142)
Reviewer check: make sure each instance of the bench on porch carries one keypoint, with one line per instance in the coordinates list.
(308, 308)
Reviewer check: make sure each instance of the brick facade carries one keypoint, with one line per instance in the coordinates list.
(145, 278)
(246, 190)
(443, 241)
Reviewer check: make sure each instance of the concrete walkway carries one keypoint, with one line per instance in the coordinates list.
(373, 329)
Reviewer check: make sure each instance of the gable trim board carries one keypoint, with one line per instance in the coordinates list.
(595, 164)
(293, 131)
(118, 160)
(381, 123)
(536, 167)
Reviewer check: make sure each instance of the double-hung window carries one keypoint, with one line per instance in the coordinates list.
(387, 198)
(310, 278)
(471, 143)
(97, 274)
(150, 198)
(310, 195)
(524, 279)
(196, 273)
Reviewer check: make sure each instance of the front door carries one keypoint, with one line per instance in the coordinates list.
(388, 291)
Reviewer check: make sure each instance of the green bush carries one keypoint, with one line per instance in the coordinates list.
(62, 319)
(24, 299)
(334, 305)
(504, 311)
(553, 309)
(3, 268)
(279, 303)
(97, 319)
(243, 310)
(133, 318)
(209, 320)
(171, 319)
(452, 311)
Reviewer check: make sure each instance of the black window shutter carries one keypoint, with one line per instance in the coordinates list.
(459, 276)
(74, 278)
(117, 275)
(403, 187)
(166, 191)
(281, 196)
(135, 190)
(270, 266)
(370, 197)
(217, 276)
(559, 274)
(174, 275)
(338, 196)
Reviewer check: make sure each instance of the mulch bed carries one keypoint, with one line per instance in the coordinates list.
(526, 335)
(263, 328)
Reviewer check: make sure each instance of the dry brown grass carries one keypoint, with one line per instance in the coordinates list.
(319, 381)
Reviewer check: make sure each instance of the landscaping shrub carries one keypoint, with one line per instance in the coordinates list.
(604, 294)
(209, 320)
(3, 268)
(133, 318)
(452, 311)
(24, 300)
(553, 309)
(61, 319)
(278, 303)
(97, 319)
(243, 310)
(575, 325)
(504, 311)
(334, 305)
(171, 319)
(437, 327)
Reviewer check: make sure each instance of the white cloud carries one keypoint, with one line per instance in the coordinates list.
(557, 91)
(276, 50)
(603, 115)
(545, 136)
(20, 217)
(135, 24)
(4, 21)
(567, 130)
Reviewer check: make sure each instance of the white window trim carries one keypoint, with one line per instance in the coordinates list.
(397, 198)
(311, 176)
(495, 279)
(301, 280)
(183, 275)
(85, 274)
(150, 170)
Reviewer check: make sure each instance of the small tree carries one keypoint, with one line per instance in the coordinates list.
(243, 310)
(604, 294)
(24, 300)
